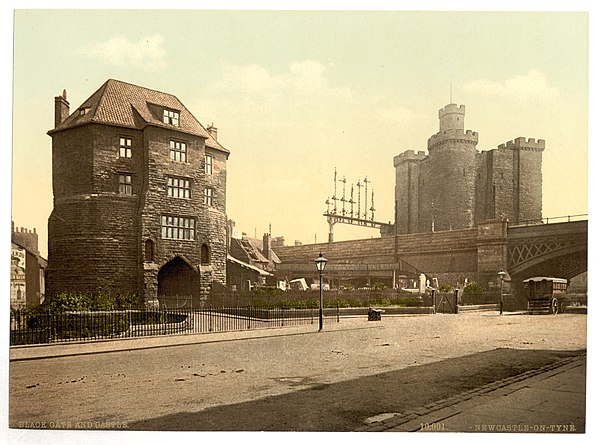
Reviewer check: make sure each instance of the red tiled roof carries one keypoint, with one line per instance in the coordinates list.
(117, 103)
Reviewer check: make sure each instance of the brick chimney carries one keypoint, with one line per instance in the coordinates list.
(267, 246)
(61, 109)
(213, 131)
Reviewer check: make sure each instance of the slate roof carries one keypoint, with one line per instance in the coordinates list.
(257, 246)
(249, 266)
(127, 105)
(251, 250)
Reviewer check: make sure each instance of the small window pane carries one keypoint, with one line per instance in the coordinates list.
(208, 196)
(178, 227)
(178, 151)
(125, 184)
(178, 187)
(124, 147)
(171, 117)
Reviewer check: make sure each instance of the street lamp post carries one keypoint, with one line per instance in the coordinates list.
(320, 262)
(501, 274)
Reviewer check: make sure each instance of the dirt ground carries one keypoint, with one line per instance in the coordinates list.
(302, 381)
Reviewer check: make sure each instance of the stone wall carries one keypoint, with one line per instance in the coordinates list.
(451, 256)
(210, 220)
(92, 244)
(92, 230)
(72, 162)
(98, 238)
(452, 184)
(407, 191)
(365, 250)
(529, 195)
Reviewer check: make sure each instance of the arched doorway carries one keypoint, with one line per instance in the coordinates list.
(178, 283)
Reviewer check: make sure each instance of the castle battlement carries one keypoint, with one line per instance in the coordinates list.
(457, 187)
(25, 238)
(451, 109)
(453, 135)
(409, 155)
(524, 143)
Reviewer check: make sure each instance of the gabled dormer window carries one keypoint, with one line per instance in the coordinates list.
(171, 117)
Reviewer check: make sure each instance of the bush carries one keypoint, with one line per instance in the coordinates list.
(474, 294)
(67, 301)
(268, 292)
(40, 326)
(407, 302)
(90, 325)
(77, 301)
(155, 317)
(445, 288)
(474, 290)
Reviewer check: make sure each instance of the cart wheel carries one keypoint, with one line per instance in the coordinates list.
(554, 306)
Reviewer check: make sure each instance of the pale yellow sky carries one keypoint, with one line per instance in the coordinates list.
(296, 94)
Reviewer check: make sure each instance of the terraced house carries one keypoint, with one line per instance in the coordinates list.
(139, 197)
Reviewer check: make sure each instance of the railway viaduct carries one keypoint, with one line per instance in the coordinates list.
(477, 254)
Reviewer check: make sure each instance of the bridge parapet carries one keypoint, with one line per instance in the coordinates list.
(558, 249)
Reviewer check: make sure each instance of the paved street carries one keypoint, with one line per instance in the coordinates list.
(295, 379)
(550, 399)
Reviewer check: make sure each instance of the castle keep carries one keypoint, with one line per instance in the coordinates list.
(457, 187)
(139, 197)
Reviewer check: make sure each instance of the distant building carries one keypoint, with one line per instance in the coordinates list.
(27, 283)
(251, 262)
(139, 197)
(456, 187)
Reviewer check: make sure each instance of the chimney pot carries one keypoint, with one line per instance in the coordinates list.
(61, 109)
(267, 246)
(212, 130)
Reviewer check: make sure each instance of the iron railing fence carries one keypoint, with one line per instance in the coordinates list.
(550, 220)
(39, 328)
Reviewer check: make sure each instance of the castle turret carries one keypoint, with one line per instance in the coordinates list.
(408, 172)
(527, 178)
(452, 174)
(455, 187)
(452, 117)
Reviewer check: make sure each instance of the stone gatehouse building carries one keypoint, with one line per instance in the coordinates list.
(456, 187)
(139, 197)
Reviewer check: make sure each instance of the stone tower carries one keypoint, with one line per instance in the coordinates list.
(408, 171)
(450, 184)
(513, 181)
(139, 197)
(456, 187)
